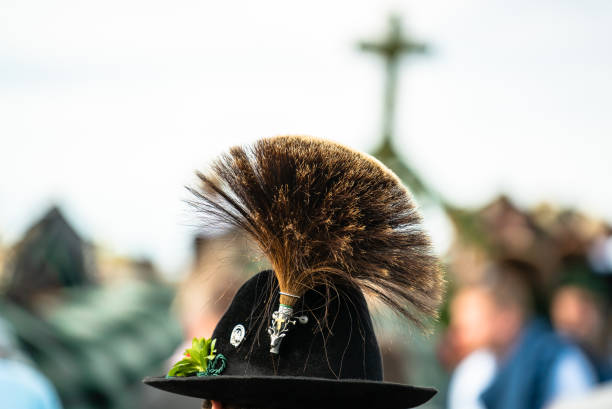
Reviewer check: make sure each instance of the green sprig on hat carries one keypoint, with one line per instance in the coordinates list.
(200, 360)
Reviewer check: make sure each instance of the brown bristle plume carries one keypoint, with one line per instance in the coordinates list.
(325, 214)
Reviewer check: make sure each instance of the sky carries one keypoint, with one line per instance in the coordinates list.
(107, 108)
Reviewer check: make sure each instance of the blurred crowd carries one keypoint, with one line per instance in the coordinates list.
(77, 322)
(526, 323)
(529, 309)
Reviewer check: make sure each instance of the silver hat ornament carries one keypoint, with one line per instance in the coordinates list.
(281, 323)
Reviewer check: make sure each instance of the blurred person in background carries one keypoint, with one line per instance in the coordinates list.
(21, 385)
(535, 366)
(471, 312)
(221, 261)
(579, 312)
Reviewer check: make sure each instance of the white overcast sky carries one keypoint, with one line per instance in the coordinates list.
(107, 107)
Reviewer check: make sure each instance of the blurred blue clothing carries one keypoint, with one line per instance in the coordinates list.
(572, 375)
(542, 368)
(22, 387)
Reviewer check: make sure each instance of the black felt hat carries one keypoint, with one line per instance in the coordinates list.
(334, 223)
(331, 360)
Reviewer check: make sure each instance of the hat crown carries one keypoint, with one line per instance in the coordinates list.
(336, 342)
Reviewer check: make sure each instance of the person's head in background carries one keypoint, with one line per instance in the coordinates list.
(577, 313)
(580, 304)
(471, 314)
(507, 286)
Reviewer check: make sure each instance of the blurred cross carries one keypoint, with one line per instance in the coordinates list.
(392, 48)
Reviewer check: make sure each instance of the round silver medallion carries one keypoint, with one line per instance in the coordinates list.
(238, 334)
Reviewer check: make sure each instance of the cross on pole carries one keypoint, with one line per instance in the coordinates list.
(392, 48)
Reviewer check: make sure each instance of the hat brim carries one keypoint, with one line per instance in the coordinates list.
(295, 392)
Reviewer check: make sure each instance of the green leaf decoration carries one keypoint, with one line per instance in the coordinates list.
(196, 358)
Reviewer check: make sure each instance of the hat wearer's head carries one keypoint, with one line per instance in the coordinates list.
(334, 223)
